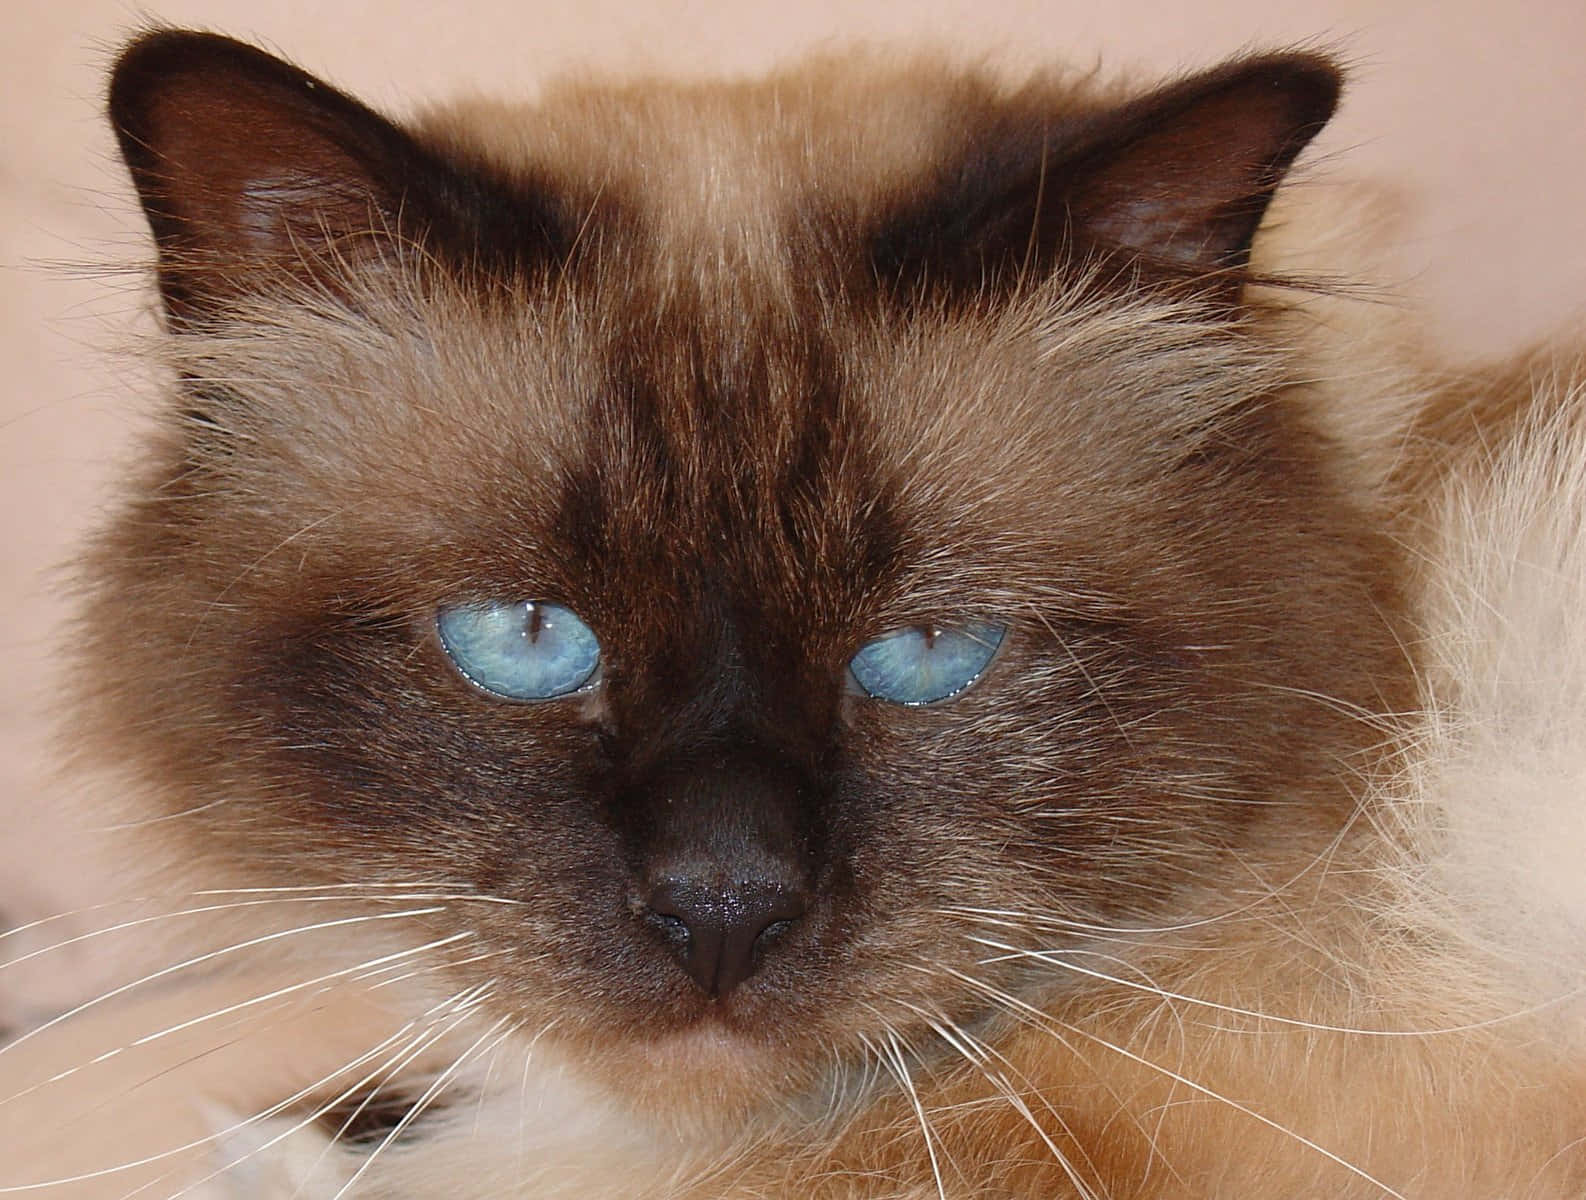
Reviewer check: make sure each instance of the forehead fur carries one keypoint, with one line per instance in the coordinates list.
(728, 167)
(419, 417)
(706, 334)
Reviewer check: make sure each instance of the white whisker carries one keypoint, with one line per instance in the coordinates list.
(978, 1055)
(358, 971)
(891, 1055)
(462, 1008)
(210, 956)
(439, 1085)
(426, 1036)
(1057, 958)
(443, 1017)
(451, 963)
(314, 896)
(1046, 1021)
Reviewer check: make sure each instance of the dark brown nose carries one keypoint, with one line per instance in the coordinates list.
(719, 933)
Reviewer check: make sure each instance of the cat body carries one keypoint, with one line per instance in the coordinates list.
(1039, 728)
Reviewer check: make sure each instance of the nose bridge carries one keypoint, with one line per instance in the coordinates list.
(739, 812)
(718, 794)
(728, 681)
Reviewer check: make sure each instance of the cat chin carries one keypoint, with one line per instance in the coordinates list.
(701, 1082)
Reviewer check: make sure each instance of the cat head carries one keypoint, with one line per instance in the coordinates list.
(760, 536)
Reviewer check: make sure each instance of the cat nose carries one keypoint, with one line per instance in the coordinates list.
(719, 934)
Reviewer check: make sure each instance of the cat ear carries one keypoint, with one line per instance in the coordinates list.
(250, 169)
(1172, 185)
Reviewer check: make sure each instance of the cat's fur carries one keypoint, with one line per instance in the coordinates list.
(1223, 881)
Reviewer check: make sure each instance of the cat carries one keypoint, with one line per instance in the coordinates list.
(850, 635)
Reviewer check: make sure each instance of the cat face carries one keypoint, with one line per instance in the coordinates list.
(753, 553)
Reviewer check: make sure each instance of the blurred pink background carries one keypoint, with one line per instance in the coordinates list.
(1471, 111)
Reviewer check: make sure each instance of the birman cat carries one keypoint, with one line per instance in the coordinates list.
(868, 633)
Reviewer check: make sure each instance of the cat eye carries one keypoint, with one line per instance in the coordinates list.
(528, 650)
(926, 663)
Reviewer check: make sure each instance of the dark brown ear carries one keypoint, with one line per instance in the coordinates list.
(249, 169)
(1172, 185)
(246, 164)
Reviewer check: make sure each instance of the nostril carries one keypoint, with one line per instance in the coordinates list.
(719, 933)
(672, 928)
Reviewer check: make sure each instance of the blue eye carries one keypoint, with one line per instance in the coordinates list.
(918, 666)
(530, 650)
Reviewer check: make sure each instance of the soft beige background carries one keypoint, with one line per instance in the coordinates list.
(1472, 109)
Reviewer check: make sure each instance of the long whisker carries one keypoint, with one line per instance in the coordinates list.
(444, 1017)
(451, 890)
(1057, 959)
(313, 897)
(890, 1054)
(523, 1088)
(133, 901)
(499, 1030)
(219, 598)
(1090, 680)
(436, 1032)
(267, 1113)
(1046, 1021)
(1011, 919)
(210, 956)
(978, 1055)
(360, 970)
(463, 1005)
